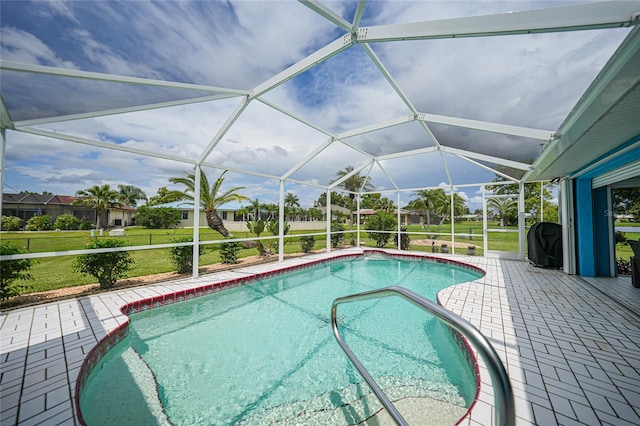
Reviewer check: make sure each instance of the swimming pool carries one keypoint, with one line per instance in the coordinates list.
(264, 353)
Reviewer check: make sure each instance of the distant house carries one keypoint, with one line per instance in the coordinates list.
(404, 215)
(226, 211)
(25, 206)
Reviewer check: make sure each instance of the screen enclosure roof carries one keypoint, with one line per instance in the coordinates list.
(412, 94)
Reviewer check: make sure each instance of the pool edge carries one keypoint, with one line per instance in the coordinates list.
(121, 331)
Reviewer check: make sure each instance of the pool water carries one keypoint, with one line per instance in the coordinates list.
(264, 353)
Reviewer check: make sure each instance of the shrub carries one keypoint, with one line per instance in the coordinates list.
(67, 222)
(336, 239)
(11, 223)
(85, 225)
(158, 218)
(257, 227)
(405, 240)
(182, 256)
(229, 252)
(624, 266)
(13, 270)
(106, 267)
(39, 223)
(307, 243)
(620, 237)
(381, 221)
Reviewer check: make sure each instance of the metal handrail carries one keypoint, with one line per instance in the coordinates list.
(503, 394)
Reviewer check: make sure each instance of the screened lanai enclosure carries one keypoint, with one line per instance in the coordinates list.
(411, 96)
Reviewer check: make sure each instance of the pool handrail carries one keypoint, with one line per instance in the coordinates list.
(504, 410)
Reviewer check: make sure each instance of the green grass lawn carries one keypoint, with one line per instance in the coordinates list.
(56, 272)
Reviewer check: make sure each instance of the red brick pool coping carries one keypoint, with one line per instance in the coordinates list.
(115, 336)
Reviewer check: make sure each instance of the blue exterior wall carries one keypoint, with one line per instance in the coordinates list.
(592, 215)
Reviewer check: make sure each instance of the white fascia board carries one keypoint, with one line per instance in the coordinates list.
(603, 94)
(295, 117)
(309, 157)
(487, 158)
(526, 132)
(125, 110)
(113, 147)
(418, 151)
(388, 77)
(64, 72)
(327, 13)
(223, 130)
(310, 61)
(609, 14)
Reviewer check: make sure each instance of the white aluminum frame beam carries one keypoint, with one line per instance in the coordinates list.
(418, 151)
(88, 75)
(355, 170)
(309, 157)
(295, 117)
(358, 15)
(306, 63)
(505, 129)
(124, 110)
(223, 130)
(115, 147)
(490, 169)
(609, 14)
(377, 126)
(328, 14)
(5, 117)
(387, 76)
(488, 158)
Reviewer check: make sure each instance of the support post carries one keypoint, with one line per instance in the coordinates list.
(485, 239)
(521, 230)
(358, 218)
(399, 224)
(453, 226)
(328, 220)
(3, 147)
(281, 223)
(196, 222)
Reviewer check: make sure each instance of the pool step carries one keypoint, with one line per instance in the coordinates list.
(146, 383)
(356, 404)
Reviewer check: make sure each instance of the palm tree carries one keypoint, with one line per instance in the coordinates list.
(272, 209)
(354, 183)
(211, 197)
(256, 208)
(503, 207)
(384, 204)
(430, 200)
(291, 200)
(130, 195)
(99, 198)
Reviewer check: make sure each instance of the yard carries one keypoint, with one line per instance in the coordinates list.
(52, 273)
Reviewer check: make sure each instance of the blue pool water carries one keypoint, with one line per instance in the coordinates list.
(264, 353)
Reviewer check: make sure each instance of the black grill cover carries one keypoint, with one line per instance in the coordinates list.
(545, 244)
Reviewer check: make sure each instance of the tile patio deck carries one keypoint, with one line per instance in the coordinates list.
(571, 345)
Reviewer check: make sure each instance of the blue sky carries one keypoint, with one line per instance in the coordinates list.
(531, 81)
